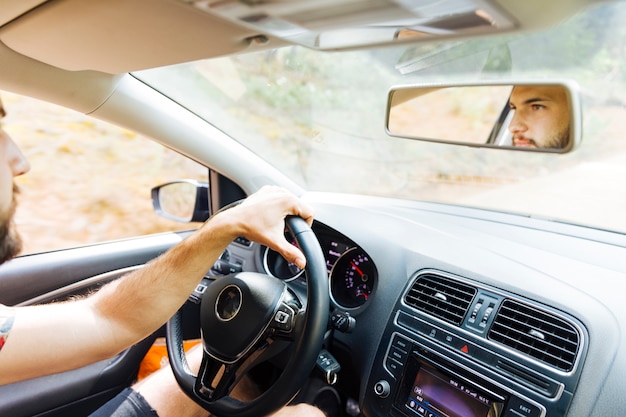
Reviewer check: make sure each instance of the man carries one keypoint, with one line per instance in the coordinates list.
(129, 309)
(541, 118)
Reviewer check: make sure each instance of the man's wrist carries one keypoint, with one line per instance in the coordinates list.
(227, 223)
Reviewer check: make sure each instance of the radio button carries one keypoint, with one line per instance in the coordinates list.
(401, 343)
(520, 408)
(398, 354)
(394, 367)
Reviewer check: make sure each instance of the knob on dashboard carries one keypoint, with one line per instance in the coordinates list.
(382, 388)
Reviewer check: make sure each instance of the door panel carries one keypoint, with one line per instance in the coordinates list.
(58, 275)
(74, 393)
(35, 276)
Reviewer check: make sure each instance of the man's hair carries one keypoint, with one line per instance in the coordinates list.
(2, 111)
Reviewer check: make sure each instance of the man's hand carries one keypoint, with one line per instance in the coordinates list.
(262, 215)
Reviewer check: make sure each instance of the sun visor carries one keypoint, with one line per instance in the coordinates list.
(117, 36)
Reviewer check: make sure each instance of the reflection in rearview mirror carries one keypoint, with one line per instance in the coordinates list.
(514, 116)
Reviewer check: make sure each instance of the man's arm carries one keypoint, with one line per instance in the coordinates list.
(57, 337)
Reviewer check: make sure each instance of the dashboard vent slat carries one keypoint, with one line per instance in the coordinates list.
(539, 334)
(441, 297)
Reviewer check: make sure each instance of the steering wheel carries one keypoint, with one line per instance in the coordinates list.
(242, 317)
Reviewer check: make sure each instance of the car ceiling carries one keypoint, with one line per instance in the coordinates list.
(118, 36)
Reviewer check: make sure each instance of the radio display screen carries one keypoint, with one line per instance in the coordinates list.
(435, 394)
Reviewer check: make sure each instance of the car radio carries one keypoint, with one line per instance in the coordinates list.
(428, 385)
(431, 390)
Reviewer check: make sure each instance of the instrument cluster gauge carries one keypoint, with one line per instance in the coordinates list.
(278, 267)
(352, 279)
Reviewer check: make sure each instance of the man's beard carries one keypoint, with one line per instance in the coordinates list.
(559, 140)
(10, 240)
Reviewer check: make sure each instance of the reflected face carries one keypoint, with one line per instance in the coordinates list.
(12, 164)
(541, 118)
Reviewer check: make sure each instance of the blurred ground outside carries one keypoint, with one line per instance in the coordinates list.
(89, 181)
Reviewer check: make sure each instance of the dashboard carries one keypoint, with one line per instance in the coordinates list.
(467, 312)
(461, 312)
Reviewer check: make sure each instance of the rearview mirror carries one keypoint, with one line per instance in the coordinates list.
(522, 116)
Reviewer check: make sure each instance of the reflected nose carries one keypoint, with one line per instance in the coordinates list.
(517, 125)
(17, 161)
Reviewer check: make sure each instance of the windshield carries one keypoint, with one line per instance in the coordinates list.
(320, 118)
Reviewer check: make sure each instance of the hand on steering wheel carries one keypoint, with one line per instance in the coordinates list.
(242, 315)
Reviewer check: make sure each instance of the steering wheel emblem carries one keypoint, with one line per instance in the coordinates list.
(228, 303)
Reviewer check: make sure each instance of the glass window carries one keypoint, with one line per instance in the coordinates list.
(319, 117)
(89, 181)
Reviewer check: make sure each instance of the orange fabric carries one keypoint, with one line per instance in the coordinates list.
(156, 358)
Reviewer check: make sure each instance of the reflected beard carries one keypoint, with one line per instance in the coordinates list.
(558, 140)
(10, 240)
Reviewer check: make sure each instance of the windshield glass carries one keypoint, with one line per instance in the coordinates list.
(320, 118)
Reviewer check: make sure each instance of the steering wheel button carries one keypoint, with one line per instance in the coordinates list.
(283, 318)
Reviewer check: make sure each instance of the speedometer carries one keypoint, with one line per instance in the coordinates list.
(352, 279)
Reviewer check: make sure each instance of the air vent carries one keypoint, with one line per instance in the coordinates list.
(441, 297)
(539, 334)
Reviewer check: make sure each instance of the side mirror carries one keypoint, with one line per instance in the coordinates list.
(537, 116)
(182, 200)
